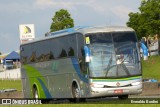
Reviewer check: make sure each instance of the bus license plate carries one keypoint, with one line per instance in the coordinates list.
(118, 91)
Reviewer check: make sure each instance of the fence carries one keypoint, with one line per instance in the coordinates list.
(11, 74)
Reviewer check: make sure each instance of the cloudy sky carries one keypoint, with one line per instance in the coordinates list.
(40, 13)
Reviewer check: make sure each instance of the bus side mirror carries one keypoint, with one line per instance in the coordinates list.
(87, 54)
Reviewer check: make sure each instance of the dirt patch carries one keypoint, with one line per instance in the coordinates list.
(150, 85)
(15, 94)
(150, 88)
(151, 92)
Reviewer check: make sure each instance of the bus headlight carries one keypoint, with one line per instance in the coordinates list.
(96, 85)
(135, 83)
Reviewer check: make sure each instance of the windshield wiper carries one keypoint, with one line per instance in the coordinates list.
(124, 59)
(125, 69)
(108, 67)
(123, 66)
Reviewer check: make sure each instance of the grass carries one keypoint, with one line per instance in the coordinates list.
(151, 68)
(7, 84)
(88, 105)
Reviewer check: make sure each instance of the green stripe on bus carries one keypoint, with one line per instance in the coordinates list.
(113, 80)
(32, 74)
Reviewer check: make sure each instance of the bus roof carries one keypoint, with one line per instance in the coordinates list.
(83, 30)
(105, 29)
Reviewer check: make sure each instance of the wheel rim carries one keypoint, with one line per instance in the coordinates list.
(36, 94)
(77, 92)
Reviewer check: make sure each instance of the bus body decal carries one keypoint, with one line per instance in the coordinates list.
(47, 94)
(32, 72)
(77, 69)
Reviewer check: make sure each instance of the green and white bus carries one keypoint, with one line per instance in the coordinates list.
(83, 62)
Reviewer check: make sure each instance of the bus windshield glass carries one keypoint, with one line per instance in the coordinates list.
(113, 55)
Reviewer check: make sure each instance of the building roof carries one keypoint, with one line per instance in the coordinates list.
(12, 55)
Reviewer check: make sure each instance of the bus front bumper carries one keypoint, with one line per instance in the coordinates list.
(102, 92)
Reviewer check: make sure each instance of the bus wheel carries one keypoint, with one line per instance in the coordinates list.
(75, 93)
(75, 90)
(123, 97)
(35, 92)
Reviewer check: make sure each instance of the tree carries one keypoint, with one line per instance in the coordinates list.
(0, 53)
(147, 21)
(61, 20)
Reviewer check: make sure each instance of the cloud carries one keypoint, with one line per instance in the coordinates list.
(45, 4)
(100, 7)
(16, 7)
(8, 42)
(70, 4)
(121, 11)
(40, 12)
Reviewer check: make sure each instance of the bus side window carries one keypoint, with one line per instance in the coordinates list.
(72, 47)
(81, 54)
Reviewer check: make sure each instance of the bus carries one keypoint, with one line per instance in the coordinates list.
(82, 62)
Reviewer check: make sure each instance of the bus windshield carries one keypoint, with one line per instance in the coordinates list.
(114, 55)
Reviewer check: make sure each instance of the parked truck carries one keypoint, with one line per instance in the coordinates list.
(8, 64)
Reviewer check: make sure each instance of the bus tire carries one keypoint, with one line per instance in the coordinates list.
(75, 93)
(75, 90)
(35, 92)
(123, 97)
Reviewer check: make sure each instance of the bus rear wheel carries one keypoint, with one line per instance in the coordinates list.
(35, 92)
(75, 91)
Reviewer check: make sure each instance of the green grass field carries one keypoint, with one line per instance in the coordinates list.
(88, 105)
(151, 68)
(6, 84)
